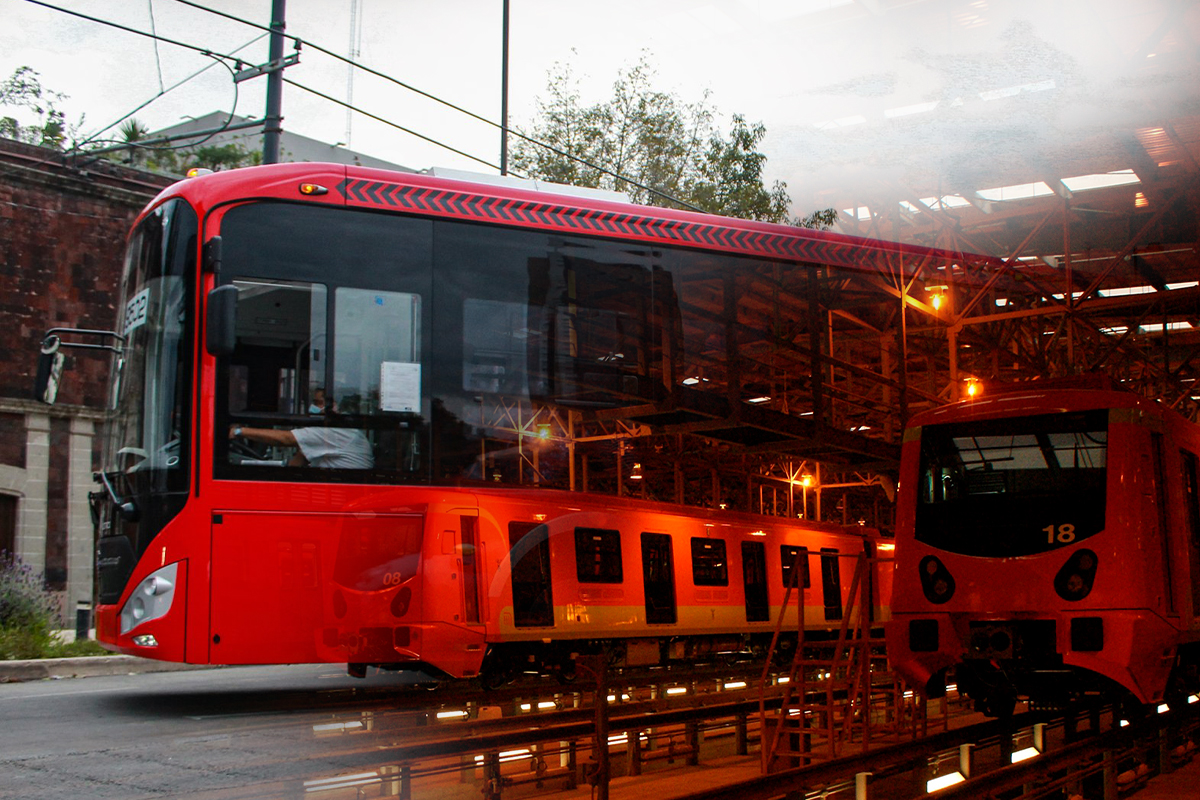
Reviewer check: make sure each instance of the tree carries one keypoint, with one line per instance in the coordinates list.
(731, 178)
(23, 90)
(653, 146)
(219, 157)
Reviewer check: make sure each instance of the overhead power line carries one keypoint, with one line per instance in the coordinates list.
(204, 51)
(95, 136)
(395, 125)
(298, 41)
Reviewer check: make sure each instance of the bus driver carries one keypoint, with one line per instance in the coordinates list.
(330, 448)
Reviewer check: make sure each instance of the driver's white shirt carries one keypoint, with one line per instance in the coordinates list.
(336, 448)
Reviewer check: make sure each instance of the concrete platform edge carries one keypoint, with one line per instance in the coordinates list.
(86, 667)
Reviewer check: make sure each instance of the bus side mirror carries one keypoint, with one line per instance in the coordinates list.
(49, 370)
(220, 326)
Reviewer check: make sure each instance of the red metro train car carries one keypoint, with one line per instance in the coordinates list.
(1048, 546)
(355, 414)
(492, 582)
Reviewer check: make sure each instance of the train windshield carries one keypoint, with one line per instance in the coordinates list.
(1012, 487)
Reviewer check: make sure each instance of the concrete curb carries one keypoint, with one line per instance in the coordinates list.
(86, 667)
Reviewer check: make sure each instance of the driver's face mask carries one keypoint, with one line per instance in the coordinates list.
(313, 408)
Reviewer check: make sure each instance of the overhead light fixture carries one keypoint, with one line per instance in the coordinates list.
(937, 296)
(973, 388)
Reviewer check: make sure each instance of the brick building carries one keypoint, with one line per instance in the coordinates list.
(62, 230)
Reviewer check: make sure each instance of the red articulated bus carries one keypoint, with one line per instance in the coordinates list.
(349, 417)
(1048, 547)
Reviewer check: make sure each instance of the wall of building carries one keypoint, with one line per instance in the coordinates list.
(63, 224)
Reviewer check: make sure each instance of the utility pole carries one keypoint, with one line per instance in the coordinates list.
(273, 122)
(504, 94)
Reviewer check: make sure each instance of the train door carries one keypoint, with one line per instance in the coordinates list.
(869, 577)
(1191, 491)
(1164, 521)
(831, 583)
(529, 554)
(658, 578)
(470, 569)
(754, 578)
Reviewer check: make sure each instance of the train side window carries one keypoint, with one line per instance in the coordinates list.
(529, 554)
(754, 575)
(1191, 490)
(598, 555)
(709, 564)
(787, 558)
(658, 578)
(831, 583)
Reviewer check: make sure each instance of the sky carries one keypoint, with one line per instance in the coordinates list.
(855, 94)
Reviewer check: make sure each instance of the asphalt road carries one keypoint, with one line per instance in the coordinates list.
(222, 733)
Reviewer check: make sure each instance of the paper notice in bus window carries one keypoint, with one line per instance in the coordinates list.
(135, 311)
(400, 387)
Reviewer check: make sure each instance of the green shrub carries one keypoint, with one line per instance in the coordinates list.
(28, 612)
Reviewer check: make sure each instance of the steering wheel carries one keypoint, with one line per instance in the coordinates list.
(240, 447)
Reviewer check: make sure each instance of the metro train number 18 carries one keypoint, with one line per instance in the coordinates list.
(1062, 534)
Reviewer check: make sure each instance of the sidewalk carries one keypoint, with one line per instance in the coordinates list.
(85, 667)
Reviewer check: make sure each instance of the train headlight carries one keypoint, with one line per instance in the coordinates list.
(1074, 581)
(151, 599)
(936, 581)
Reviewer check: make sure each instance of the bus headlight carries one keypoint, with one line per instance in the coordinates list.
(1074, 581)
(151, 599)
(936, 581)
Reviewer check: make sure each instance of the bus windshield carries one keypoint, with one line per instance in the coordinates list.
(146, 454)
(151, 378)
(1012, 487)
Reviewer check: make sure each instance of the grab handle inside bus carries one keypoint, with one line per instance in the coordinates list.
(220, 326)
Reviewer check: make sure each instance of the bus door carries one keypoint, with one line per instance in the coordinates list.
(529, 555)
(658, 578)
(754, 575)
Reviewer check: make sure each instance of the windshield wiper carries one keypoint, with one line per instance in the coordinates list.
(125, 508)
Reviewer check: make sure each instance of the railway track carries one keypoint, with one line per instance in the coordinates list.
(521, 755)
